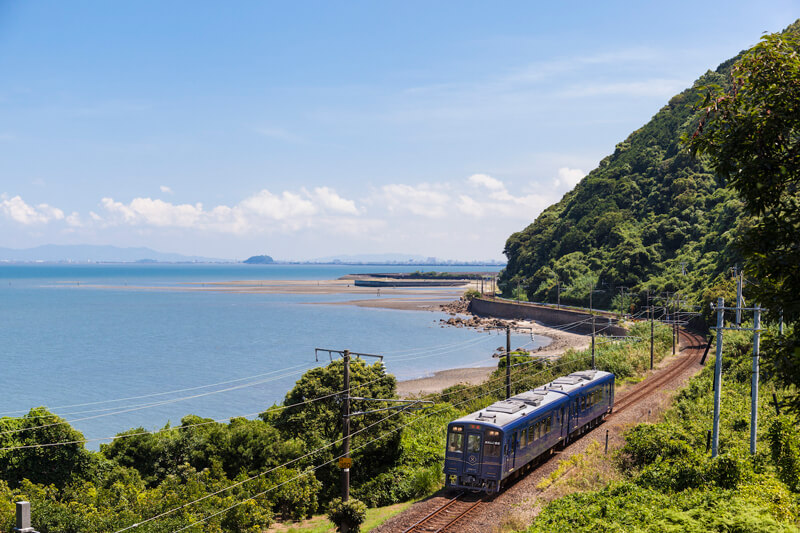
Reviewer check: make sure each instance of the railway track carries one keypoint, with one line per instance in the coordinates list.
(694, 344)
(447, 517)
(452, 514)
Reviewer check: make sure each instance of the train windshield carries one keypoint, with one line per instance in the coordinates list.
(473, 443)
(491, 447)
(455, 440)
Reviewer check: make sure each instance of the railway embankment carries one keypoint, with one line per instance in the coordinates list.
(567, 319)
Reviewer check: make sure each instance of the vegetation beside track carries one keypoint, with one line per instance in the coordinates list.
(195, 470)
(666, 481)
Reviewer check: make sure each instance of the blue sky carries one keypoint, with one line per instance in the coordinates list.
(308, 129)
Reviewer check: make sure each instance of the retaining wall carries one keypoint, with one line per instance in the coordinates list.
(547, 316)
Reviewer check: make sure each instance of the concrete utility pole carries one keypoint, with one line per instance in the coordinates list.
(346, 426)
(508, 362)
(780, 325)
(675, 324)
(558, 292)
(652, 312)
(717, 377)
(754, 379)
(591, 311)
(739, 298)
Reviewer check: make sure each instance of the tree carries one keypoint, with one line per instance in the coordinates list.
(750, 135)
(57, 465)
(319, 423)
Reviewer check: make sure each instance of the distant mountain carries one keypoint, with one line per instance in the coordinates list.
(259, 260)
(87, 253)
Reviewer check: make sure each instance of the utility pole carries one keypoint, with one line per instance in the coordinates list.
(674, 323)
(591, 311)
(754, 379)
(558, 292)
(346, 427)
(652, 312)
(780, 325)
(717, 377)
(508, 362)
(738, 297)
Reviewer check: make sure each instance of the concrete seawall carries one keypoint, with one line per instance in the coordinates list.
(547, 316)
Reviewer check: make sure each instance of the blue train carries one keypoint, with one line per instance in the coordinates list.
(496, 444)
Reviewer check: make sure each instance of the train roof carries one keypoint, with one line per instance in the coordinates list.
(527, 403)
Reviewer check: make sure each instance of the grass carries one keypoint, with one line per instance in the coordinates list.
(320, 523)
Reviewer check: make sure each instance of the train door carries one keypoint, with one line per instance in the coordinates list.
(510, 452)
(563, 421)
(472, 455)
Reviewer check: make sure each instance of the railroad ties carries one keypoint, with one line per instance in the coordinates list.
(446, 517)
(655, 383)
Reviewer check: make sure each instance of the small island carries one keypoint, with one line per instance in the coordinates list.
(259, 260)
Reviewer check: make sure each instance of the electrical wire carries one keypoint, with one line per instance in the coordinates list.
(166, 392)
(204, 519)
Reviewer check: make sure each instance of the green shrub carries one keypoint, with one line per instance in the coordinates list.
(351, 513)
(472, 293)
(784, 439)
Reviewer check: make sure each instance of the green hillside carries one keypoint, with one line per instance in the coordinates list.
(648, 217)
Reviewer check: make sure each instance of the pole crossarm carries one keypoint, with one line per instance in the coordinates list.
(341, 352)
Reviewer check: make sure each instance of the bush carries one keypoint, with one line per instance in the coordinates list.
(471, 293)
(351, 513)
(784, 439)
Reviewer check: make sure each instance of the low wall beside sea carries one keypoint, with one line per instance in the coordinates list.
(571, 321)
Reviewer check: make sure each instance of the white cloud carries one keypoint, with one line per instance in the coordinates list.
(165, 189)
(569, 177)
(333, 202)
(262, 212)
(74, 220)
(279, 207)
(17, 210)
(446, 199)
(422, 200)
(487, 181)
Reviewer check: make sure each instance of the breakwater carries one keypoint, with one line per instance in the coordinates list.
(569, 320)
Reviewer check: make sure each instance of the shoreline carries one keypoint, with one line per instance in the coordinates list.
(433, 299)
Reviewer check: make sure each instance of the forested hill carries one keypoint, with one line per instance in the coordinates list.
(648, 217)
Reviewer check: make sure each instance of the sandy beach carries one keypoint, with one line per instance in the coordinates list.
(560, 342)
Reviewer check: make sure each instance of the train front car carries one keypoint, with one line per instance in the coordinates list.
(473, 454)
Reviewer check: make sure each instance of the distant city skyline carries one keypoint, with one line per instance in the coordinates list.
(320, 129)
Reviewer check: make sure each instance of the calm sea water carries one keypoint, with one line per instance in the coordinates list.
(110, 359)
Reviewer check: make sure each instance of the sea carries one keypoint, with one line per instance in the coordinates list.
(110, 347)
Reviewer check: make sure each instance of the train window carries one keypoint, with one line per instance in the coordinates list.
(548, 424)
(455, 442)
(491, 446)
(473, 443)
(523, 438)
(531, 433)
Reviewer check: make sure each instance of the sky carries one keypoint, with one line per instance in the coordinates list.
(310, 129)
